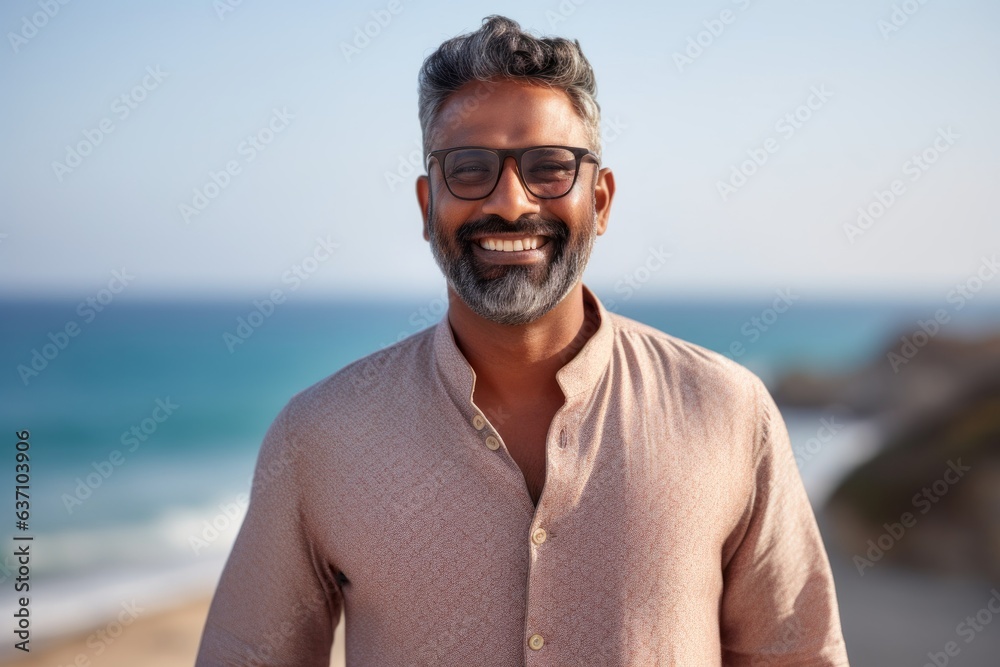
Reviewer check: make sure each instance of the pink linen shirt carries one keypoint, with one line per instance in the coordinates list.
(672, 529)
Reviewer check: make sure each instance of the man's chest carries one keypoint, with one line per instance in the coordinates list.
(525, 441)
(452, 495)
(523, 426)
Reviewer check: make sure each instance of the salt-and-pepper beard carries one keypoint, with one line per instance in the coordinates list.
(512, 294)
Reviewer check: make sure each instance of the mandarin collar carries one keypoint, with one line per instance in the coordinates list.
(580, 374)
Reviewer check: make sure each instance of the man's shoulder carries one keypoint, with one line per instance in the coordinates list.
(682, 358)
(369, 382)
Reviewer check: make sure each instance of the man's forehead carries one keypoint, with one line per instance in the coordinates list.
(508, 114)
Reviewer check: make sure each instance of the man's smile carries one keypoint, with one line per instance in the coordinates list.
(505, 244)
(511, 248)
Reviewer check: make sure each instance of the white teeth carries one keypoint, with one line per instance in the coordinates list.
(507, 245)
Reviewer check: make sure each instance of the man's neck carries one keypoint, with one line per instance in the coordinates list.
(520, 360)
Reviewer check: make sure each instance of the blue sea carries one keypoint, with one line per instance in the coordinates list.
(165, 385)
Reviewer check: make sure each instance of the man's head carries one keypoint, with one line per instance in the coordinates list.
(500, 88)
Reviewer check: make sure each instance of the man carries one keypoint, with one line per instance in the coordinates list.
(534, 480)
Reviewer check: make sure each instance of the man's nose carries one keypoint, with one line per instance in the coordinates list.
(509, 199)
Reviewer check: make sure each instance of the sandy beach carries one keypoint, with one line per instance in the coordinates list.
(166, 639)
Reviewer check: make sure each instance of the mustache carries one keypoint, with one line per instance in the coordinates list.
(529, 226)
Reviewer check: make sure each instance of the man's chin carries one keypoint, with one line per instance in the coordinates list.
(508, 317)
(512, 304)
(485, 272)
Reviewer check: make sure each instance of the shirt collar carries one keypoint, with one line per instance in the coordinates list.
(579, 374)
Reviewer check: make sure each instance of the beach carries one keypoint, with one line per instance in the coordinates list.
(169, 638)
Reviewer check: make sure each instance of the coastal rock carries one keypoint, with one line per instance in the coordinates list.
(931, 499)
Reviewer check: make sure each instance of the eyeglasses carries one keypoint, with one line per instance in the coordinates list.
(547, 172)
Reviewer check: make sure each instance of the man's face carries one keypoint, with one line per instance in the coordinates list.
(557, 235)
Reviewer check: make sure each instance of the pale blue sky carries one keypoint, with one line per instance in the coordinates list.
(324, 174)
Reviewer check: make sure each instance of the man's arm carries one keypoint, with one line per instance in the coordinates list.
(779, 606)
(277, 603)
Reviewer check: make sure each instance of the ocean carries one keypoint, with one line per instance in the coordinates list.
(184, 391)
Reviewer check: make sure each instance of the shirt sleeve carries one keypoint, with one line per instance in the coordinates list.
(779, 606)
(277, 603)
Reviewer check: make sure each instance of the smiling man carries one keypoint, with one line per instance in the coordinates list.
(534, 480)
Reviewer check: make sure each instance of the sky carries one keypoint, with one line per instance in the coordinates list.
(207, 148)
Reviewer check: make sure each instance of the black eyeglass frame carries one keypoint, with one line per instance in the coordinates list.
(516, 153)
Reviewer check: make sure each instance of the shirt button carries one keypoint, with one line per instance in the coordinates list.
(536, 642)
(492, 442)
(538, 536)
(478, 422)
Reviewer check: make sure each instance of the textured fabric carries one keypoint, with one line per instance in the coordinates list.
(677, 529)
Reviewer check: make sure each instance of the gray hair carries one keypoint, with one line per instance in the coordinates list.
(501, 50)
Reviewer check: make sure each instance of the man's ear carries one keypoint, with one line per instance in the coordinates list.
(424, 199)
(604, 192)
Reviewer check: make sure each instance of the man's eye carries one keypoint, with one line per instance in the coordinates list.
(553, 166)
(469, 168)
(550, 170)
(470, 172)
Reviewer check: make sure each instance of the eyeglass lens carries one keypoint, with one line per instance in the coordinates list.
(547, 172)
